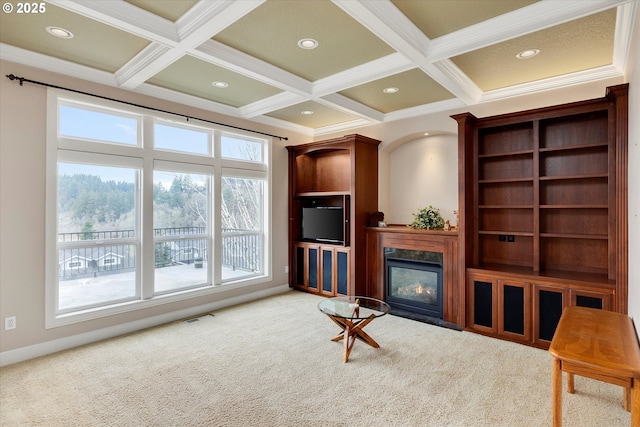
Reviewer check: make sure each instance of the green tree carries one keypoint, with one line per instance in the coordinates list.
(87, 231)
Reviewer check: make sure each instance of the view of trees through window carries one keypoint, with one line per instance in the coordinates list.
(88, 204)
(205, 229)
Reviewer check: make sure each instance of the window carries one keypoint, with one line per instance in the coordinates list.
(96, 206)
(181, 236)
(142, 218)
(242, 224)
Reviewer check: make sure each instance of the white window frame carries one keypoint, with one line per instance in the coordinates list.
(148, 158)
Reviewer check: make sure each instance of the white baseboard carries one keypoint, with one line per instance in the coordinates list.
(25, 353)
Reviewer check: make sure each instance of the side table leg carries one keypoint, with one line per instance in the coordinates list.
(635, 402)
(626, 399)
(570, 384)
(349, 340)
(557, 393)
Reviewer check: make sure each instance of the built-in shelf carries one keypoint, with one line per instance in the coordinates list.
(542, 217)
(330, 173)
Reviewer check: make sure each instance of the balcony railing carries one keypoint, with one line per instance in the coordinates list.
(241, 249)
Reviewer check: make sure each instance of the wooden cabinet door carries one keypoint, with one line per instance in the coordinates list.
(342, 268)
(322, 269)
(327, 276)
(548, 303)
(514, 309)
(592, 299)
(482, 303)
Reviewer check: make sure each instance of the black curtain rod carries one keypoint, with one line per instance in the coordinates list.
(23, 79)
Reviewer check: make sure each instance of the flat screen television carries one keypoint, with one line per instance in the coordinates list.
(323, 224)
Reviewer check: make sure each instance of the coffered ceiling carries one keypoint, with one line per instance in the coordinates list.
(433, 55)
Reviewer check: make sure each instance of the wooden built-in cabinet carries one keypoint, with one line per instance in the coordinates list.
(543, 214)
(341, 173)
(526, 308)
(322, 269)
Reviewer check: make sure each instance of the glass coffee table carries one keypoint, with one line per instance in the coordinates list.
(352, 314)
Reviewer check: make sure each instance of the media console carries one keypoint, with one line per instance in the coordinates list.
(333, 188)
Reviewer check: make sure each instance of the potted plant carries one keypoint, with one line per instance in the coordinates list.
(427, 218)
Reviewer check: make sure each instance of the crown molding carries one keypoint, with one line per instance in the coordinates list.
(422, 110)
(624, 32)
(595, 74)
(341, 127)
(55, 65)
(535, 17)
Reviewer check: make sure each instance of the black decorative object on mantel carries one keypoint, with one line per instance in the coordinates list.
(375, 219)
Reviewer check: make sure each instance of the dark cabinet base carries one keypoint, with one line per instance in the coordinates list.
(526, 308)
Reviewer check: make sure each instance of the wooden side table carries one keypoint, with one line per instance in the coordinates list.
(598, 344)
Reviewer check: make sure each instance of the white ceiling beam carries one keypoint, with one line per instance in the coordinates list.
(382, 18)
(377, 69)
(535, 17)
(241, 63)
(125, 16)
(202, 22)
(272, 103)
(349, 106)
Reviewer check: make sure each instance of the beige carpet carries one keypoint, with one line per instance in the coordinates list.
(271, 363)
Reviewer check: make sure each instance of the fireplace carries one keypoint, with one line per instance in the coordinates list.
(413, 281)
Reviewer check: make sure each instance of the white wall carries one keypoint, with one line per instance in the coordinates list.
(424, 172)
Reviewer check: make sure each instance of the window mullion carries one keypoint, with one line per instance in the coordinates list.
(147, 266)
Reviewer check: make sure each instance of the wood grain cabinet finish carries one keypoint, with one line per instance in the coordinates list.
(340, 172)
(500, 307)
(543, 203)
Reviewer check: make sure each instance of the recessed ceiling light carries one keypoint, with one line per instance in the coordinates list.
(528, 53)
(426, 134)
(220, 85)
(390, 90)
(307, 112)
(308, 43)
(60, 32)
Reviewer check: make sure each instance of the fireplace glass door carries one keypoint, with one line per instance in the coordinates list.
(414, 286)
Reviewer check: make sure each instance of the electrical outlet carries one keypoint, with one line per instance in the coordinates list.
(9, 323)
(286, 269)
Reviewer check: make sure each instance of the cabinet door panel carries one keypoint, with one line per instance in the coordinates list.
(513, 309)
(482, 302)
(549, 304)
(591, 299)
(327, 271)
(313, 268)
(342, 259)
(300, 264)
